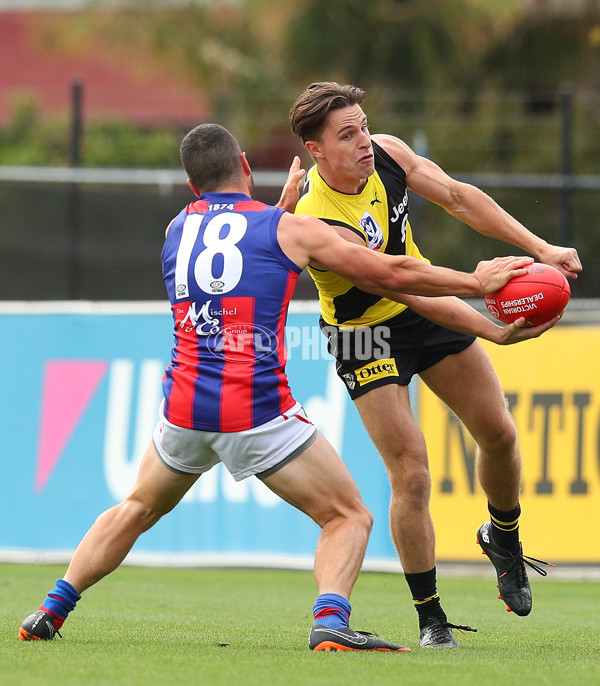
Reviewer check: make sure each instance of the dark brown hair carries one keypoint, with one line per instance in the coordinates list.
(308, 114)
(211, 156)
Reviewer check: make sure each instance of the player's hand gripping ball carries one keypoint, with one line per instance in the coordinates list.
(538, 296)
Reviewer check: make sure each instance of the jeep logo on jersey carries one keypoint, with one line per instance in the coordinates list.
(400, 209)
(373, 230)
(242, 343)
(376, 370)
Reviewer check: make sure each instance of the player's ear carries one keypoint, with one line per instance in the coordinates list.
(194, 188)
(246, 165)
(313, 148)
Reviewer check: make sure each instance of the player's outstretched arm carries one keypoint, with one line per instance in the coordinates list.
(454, 313)
(307, 240)
(475, 208)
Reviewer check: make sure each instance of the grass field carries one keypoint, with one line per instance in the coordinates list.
(238, 627)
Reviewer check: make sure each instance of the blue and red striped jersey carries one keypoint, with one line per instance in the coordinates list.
(229, 284)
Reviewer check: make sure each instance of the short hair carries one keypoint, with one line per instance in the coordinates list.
(211, 156)
(308, 114)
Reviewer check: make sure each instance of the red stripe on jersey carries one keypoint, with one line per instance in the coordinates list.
(184, 369)
(285, 396)
(237, 376)
(249, 206)
(200, 206)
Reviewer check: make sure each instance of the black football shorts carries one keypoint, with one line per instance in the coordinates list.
(391, 352)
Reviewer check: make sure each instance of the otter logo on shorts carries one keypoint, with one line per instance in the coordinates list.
(376, 370)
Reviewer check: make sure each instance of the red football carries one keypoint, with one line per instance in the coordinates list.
(538, 296)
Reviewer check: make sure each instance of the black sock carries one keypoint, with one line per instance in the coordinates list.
(425, 596)
(505, 528)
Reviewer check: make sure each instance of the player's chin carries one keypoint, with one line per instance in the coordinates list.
(366, 166)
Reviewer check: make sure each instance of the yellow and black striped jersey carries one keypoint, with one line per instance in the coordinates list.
(379, 215)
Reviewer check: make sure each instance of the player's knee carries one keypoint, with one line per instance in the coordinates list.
(413, 485)
(360, 515)
(354, 514)
(361, 521)
(140, 515)
(366, 518)
(501, 438)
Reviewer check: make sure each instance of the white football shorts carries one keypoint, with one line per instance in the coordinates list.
(260, 451)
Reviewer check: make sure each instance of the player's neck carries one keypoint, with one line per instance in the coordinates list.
(342, 184)
(235, 188)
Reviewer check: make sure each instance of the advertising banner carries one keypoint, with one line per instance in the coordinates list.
(552, 385)
(80, 395)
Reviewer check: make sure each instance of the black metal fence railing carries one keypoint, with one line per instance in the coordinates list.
(83, 233)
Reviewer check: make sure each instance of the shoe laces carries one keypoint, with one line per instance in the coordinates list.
(439, 629)
(461, 627)
(531, 562)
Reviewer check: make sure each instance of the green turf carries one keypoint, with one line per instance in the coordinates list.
(246, 627)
